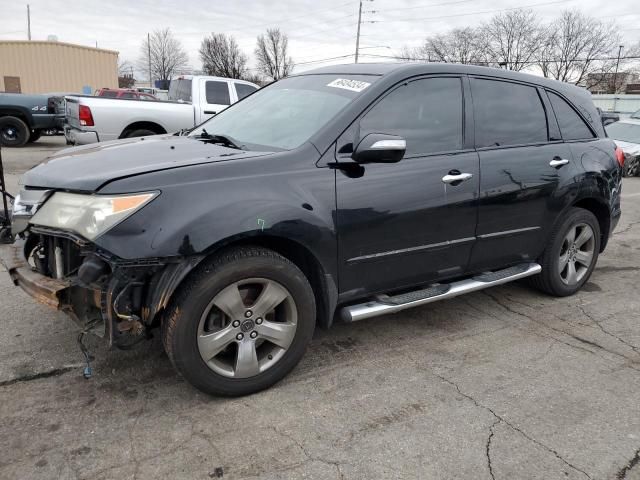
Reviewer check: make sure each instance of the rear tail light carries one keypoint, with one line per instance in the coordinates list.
(84, 114)
(620, 156)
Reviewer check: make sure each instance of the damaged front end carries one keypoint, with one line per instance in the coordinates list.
(114, 298)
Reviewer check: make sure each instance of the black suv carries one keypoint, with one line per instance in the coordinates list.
(349, 191)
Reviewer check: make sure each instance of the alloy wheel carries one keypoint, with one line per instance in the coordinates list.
(576, 254)
(247, 327)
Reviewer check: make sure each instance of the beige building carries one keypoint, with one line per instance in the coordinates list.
(43, 67)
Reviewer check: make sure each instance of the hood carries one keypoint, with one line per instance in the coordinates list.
(88, 167)
(629, 148)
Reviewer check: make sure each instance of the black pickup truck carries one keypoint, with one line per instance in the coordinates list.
(23, 118)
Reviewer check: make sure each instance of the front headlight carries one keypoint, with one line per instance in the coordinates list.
(88, 215)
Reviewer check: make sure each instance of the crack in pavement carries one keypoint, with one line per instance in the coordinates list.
(627, 228)
(510, 425)
(622, 473)
(488, 448)
(307, 454)
(604, 330)
(559, 330)
(37, 376)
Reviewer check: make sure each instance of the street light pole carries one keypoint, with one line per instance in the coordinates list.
(358, 34)
(615, 75)
(28, 22)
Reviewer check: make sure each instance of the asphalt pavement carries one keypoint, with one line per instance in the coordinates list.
(503, 384)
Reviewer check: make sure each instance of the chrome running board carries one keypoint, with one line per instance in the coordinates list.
(384, 304)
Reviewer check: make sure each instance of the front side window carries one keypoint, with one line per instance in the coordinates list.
(285, 114)
(427, 113)
(217, 93)
(507, 114)
(572, 127)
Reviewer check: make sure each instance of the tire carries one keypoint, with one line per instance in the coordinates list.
(193, 318)
(556, 277)
(142, 132)
(632, 167)
(34, 136)
(13, 132)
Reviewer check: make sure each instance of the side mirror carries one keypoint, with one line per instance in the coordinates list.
(380, 148)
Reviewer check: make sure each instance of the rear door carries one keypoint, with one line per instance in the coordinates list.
(399, 224)
(216, 96)
(527, 172)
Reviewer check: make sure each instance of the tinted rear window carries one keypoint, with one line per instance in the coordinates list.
(180, 89)
(507, 114)
(243, 90)
(217, 92)
(572, 127)
(109, 93)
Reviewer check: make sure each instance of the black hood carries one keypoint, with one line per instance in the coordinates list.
(89, 167)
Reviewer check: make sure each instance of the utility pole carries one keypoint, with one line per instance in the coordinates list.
(149, 50)
(357, 35)
(615, 75)
(360, 12)
(28, 21)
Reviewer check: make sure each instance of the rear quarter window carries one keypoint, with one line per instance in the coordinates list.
(572, 126)
(507, 114)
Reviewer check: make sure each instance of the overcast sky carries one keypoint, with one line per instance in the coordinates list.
(316, 30)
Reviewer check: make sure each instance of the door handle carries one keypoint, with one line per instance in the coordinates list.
(209, 112)
(557, 162)
(456, 178)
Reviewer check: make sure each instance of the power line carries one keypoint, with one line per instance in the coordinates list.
(496, 61)
(476, 13)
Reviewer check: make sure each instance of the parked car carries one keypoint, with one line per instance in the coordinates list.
(127, 93)
(192, 100)
(156, 92)
(608, 117)
(626, 134)
(24, 118)
(350, 191)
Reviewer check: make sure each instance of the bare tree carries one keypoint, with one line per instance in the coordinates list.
(272, 54)
(460, 45)
(578, 46)
(511, 39)
(221, 56)
(168, 56)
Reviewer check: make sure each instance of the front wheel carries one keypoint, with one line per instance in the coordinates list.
(571, 254)
(240, 323)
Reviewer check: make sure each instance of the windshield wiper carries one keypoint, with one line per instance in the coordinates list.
(223, 139)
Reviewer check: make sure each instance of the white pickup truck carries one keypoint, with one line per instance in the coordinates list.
(192, 100)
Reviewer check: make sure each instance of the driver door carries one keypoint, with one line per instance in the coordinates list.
(400, 224)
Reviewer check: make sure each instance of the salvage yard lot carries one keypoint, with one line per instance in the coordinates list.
(505, 384)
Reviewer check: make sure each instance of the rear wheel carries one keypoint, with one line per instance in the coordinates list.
(632, 167)
(13, 132)
(571, 254)
(240, 323)
(142, 132)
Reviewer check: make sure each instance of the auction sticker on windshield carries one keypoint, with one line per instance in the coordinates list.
(347, 84)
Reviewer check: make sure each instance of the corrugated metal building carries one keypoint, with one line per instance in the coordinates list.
(43, 67)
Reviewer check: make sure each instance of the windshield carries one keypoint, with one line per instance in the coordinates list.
(287, 113)
(625, 132)
(636, 114)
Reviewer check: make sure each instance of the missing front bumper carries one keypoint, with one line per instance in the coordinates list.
(44, 289)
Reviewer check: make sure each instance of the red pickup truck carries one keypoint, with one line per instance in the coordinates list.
(124, 93)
